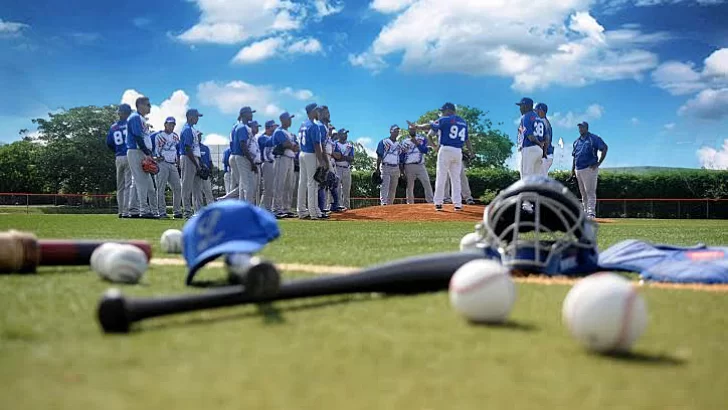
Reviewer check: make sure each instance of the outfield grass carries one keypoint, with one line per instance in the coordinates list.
(355, 352)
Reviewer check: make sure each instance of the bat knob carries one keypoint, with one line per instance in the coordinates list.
(263, 279)
(112, 312)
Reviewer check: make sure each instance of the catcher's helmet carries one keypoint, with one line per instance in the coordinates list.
(553, 238)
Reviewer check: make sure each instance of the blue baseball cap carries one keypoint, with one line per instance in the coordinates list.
(253, 123)
(192, 112)
(270, 123)
(246, 109)
(543, 107)
(124, 108)
(447, 106)
(525, 101)
(583, 124)
(286, 114)
(311, 107)
(170, 119)
(225, 227)
(394, 128)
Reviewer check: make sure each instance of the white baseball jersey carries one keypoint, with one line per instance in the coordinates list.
(167, 146)
(346, 149)
(412, 153)
(391, 151)
(253, 147)
(196, 143)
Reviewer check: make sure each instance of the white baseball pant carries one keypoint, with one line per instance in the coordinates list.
(146, 194)
(168, 175)
(388, 189)
(531, 161)
(417, 172)
(587, 179)
(307, 204)
(283, 181)
(449, 163)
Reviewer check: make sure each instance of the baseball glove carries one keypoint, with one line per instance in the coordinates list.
(150, 166)
(320, 175)
(278, 150)
(203, 173)
(331, 180)
(377, 178)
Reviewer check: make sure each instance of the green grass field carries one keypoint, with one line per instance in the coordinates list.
(349, 352)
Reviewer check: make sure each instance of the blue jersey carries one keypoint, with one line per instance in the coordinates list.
(263, 142)
(205, 157)
(585, 150)
(238, 135)
(309, 134)
(136, 129)
(452, 131)
(153, 138)
(546, 134)
(526, 128)
(116, 138)
(226, 160)
(187, 139)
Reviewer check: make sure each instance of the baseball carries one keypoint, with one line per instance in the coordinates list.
(171, 241)
(237, 265)
(99, 254)
(605, 313)
(469, 242)
(122, 263)
(482, 290)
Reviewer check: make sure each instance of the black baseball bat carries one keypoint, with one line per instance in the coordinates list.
(419, 274)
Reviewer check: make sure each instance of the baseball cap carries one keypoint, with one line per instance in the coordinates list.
(311, 107)
(225, 227)
(343, 131)
(525, 101)
(448, 106)
(193, 112)
(170, 119)
(246, 109)
(542, 106)
(394, 128)
(285, 114)
(270, 123)
(253, 123)
(583, 124)
(124, 108)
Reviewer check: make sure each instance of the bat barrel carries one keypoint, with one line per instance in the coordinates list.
(74, 252)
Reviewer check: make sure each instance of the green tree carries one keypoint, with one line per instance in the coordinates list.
(75, 158)
(362, 161)
(19, 171)
(492, 146)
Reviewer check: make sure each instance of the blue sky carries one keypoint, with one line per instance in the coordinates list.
(650, 76)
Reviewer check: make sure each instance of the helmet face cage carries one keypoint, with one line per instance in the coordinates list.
(533, 241)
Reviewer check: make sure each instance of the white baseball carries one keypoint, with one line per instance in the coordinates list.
(124, 263)
(171, 241)
(237, 265)
(99, 253)
(482, 290)
(469, 242)
(605, 312)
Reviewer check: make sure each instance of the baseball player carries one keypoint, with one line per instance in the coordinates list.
(226, 170)
(311, 157)
(255, 152)
(530, 130)
(586, 165)
(388, 157)
(452, 133)
(464, 186)
(116, 141)
(242, 160)
(327, 148)
(343, 157)
(189, 153)
(548, 153)
(205, 184)
(267, 168)
(166, 145)
(283, 167)
(139, 148)
(413, 154)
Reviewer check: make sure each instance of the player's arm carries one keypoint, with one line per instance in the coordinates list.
(528, 133)
(243, 138)
(422, 147)
(380, 153)
(573, 162)
(420, 127)
(603, 148)
(136, 131)
(314, 134)
(186, 142)
(110, 140)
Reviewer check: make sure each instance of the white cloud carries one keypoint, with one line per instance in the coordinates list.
(537, 44)
(709, 104)
(390, 6)
(570, 119)
(327, 8)
(215, 139)
(634, 121)
(265, 99)
(175, 106)
(678, 78)
(11, 29)
(710, 158)
(670, 126)
(276, 46)
(368, 143)
(141, 21)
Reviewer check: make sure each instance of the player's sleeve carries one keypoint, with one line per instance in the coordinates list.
(380, 149)
(313, 134)
(573, 148)
(601, 146)
(278, 137)
(527, 122)
(110, 139)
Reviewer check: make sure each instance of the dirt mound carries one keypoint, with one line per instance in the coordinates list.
(418, 212)
(413, 212)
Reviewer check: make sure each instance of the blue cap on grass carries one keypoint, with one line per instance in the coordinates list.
(225, 227)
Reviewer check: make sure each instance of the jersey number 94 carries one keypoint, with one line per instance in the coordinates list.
(455, 132)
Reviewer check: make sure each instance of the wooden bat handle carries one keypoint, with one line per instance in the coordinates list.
(19, 252)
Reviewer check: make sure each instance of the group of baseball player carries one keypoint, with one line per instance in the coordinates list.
(307, 174)
(147, 162)
(308, 171)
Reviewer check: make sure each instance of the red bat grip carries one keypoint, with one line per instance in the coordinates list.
(59, 252)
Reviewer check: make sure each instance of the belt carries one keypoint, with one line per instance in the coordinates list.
(413, 163)
(343, 166)
(392, 165)
(173, 163)
(270, 162)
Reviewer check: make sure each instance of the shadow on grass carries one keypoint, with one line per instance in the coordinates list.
(644, 358)
(270, 312)
(509, 325)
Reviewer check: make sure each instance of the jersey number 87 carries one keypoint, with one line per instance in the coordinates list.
(119, 137)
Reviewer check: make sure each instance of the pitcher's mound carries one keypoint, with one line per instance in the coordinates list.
(418, 212)
(413, 212)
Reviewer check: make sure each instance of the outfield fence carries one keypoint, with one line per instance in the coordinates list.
(663, 208)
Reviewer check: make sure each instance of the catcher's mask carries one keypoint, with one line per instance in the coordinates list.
(550, 236)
